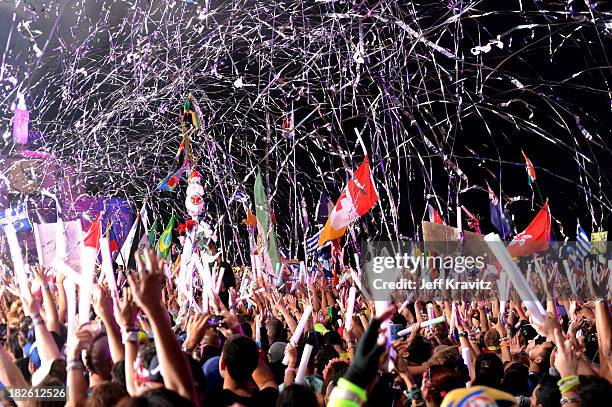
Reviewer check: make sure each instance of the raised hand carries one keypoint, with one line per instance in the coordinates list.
(102, 302)
(127, 311)
(146, 289)
(82, 339)
(196, 327)
(568, 354)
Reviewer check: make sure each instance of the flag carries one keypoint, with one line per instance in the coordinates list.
(113, 245)
(531, 175)
(266, 229)
(535, 238)
(153, 234)
(93, 234)
(135, 240)
(357, 198)
(165, 241)
(191, 114)
(434, 216)
(599, 240)
(583, 244)
(17, 217)
(498, 217)
(170, 182)
(312, 243)
(323, 209)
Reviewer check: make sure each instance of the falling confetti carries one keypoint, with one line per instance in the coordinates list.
(444, 96)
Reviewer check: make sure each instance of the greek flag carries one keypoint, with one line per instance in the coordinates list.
(583, 244)
(17, 217)
(312, 243)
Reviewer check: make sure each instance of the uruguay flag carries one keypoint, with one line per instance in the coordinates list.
(18, 217)
(583, 244)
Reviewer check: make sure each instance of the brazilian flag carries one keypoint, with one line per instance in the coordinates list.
(165, 240)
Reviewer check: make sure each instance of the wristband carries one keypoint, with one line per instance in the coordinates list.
(75, 366)
(566, 400)
(353, 388)
(38, 320)
(130, 336)
(290, 370)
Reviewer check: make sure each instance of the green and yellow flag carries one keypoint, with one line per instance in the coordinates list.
(165, 240)
(262, 212)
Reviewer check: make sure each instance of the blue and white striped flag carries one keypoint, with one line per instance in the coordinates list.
(312, 243)
(17, 217)
(583, 244)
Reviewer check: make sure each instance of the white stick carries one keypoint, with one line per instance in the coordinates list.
(88, 266)
(295, 338)
(423, 324)
(349, 309)
(71, 300)
(220, 280)
(534, 306)
(467, 358)
(18, 266)
(107, 267)
(301, 373)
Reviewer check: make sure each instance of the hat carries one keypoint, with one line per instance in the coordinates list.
(319, 327)
(478, 396)
(276, 353)
(34, 356)
(213, 380)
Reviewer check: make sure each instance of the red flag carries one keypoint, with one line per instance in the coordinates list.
(93, 234)
(535, 238)
(357, 198)
(434, 216)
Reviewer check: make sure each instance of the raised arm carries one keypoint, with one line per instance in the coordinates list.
(127, 314)
(146, 291)
(46, 344)
(51, 314)
(604, 337)
(104, 309)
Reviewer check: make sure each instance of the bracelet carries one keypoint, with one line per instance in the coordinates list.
(130, 336)
(568, 383)
(290, 370)
(413, 394)
(344, 384)
(566, 400)
(38, 321)
(75, 366)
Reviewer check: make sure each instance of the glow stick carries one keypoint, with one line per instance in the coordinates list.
(430, 311)
(356, 280)
(453, 320)
(71, 300)
(423, 324)
(88, 266)
(18, 266)
(349, 308)
(220, 280)
(277, 275)
(467, 358)
(295, 338)
(385, 336)
(301, 373)
(107, 267)
(527, 295)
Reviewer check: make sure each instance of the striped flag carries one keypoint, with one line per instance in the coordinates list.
(583, 244)
(531, 175)
(312, 243)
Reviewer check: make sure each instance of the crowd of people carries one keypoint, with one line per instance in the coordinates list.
(140, 348)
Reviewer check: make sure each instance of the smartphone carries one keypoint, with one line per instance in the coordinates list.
(215, 320)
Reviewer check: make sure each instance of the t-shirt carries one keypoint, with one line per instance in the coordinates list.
(265, 397)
